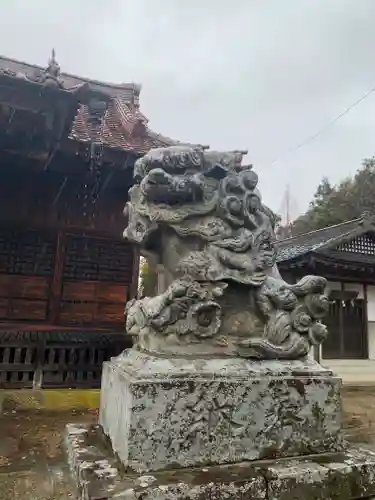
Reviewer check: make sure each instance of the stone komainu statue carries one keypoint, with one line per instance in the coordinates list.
(199, 214)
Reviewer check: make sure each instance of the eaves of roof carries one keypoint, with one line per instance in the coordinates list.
(323, 239)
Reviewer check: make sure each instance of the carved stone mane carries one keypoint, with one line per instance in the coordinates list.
(200, 215)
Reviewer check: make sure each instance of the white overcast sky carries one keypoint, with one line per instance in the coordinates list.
(261, 75)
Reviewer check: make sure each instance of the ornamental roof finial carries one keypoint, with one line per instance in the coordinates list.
(53, 68)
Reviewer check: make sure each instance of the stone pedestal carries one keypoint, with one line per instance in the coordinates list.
(161, 413)
(225, 428)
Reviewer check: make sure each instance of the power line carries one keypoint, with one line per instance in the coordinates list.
(322, 130)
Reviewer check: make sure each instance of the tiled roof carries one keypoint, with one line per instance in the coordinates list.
(124, 126)
(33, 71)
(316, 241)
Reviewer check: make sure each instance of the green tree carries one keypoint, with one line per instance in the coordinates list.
(333, 204)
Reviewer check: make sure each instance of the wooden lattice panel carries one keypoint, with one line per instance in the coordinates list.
(363, 244)
(26, 252)
(97, 274)
(94, 259)
(95, 302)
(23, 297)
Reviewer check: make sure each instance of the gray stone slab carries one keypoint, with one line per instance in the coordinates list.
(346, 475)
(161, 413)
(99, 476)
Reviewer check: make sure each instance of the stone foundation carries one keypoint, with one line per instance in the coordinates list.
(161, 413)
(345, 476)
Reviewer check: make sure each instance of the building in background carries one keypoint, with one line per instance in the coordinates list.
(345, 255)
(67, 150)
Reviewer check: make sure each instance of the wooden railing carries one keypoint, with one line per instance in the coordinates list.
(69, 359)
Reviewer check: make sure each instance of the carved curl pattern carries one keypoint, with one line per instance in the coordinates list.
(292, 314)
(200, 215)
(186, 312)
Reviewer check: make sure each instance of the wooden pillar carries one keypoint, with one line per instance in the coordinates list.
(341, 325)
(39, 365)
(365, 321)
(163, 280)
(56, 287)
(135, 274)
(317, 353)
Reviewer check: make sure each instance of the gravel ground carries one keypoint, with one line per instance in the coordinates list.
(32, 461)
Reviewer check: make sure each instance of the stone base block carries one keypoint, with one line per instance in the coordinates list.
(161, 413)
(347, 475)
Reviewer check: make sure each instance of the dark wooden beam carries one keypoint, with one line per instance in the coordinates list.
(134, 284)
(31, 96)
(74, 166)
(341, 326)
(56, 287)
(365, 320)
(348, 259)
(312, 262)
(343, 295)
(332, 273)
(118, 158)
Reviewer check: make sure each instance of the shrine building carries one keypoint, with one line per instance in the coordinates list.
(345, 255)
(67, 150)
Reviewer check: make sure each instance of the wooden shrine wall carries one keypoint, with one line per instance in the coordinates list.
(96, 281)
(51, 199)
(26, 265)
(88, 286)
(62, 258)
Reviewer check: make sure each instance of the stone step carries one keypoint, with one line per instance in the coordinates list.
(360, 371)
(346, 476)
(350, 363)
